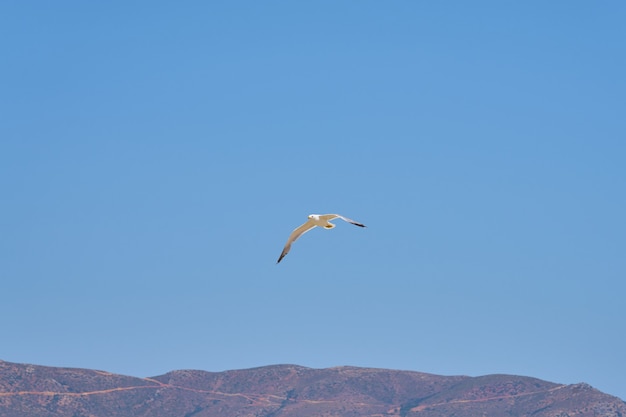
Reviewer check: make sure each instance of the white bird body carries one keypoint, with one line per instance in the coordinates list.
(319, 220)
(322, 220)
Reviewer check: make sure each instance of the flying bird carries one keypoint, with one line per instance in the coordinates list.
(321, 220)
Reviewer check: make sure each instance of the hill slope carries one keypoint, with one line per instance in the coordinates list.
(290, 391)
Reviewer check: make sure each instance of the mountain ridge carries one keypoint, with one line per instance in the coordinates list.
(290, 390)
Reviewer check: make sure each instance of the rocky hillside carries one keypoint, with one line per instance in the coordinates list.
(290, 391)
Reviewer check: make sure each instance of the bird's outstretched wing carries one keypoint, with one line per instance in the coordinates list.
(337, 216)
(298, 231)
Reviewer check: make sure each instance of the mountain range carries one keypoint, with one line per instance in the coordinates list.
(291, 391)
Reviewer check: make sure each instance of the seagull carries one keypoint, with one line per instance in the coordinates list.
(321, 220)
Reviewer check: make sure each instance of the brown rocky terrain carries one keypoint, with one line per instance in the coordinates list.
(290, 391)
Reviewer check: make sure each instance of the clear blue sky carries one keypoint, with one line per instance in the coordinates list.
(155, 156)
